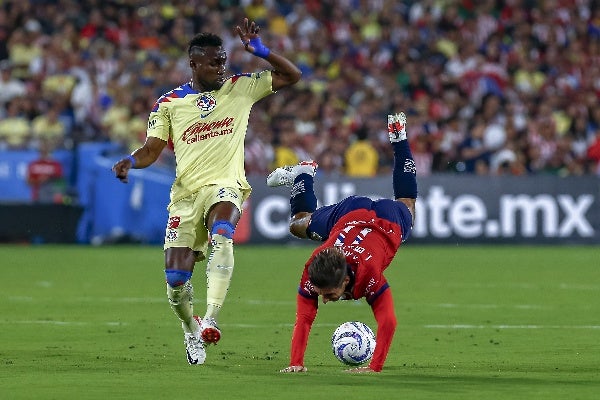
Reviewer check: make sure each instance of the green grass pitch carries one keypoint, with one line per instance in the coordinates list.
(474, 322)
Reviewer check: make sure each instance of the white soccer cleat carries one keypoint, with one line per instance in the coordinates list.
(284, 176)
(194, 346)
(280, 176)
(194, 349)
(209, 332)
(397, 127)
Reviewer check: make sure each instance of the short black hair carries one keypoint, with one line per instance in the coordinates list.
(328, 268)
(204, 39)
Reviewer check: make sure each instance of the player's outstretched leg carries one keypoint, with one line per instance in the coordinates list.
(303, 202)
(219, 271)
(404, 173)
(284, 176)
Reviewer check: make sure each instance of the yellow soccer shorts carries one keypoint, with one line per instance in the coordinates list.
(186, 226)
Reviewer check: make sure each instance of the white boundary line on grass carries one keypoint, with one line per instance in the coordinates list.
(62, 323)
(467, 326)
(322, 325)
(200, 300)
(517, 285)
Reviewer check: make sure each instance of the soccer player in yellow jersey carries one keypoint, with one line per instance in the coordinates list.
(206, 121)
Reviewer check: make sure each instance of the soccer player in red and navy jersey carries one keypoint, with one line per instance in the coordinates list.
(361, 237)
(206, 120)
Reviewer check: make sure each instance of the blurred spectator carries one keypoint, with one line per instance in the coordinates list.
(259, 152)
(473, 150)
(137, 124)
(284, 150)
(528, 72)
(257, 11)
(115, 121)
(330, 163)
(10, 87)
(22, 49)
(361, 158)
(45, 176)
(422, 155)
(48, 128)
(528, 78)
(285, 141)
(452, 135)
(15, 128)
(593, 153)
(5, 31)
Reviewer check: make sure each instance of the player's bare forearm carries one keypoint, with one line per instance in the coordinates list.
(285, 73)
(148, 153)
(140, 158)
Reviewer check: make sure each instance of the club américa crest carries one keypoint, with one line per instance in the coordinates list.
(206, 103)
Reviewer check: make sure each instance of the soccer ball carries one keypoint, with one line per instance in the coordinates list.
(353, 343)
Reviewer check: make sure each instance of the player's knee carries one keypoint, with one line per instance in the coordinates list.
(222, 241)
(176, 277)
(221, 260)
(223, 228)
(180, 258)
(299, 224)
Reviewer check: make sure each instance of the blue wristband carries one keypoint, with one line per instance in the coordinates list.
(132, 159)
(260, 50)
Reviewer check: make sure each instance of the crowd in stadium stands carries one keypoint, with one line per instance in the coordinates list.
(490, 87)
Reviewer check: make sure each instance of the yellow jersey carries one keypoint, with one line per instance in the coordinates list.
(207, 131)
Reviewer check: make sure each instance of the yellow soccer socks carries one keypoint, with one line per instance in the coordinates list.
(219, 271)
(181, 300)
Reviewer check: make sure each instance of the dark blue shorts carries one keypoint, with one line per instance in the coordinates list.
(324, 218)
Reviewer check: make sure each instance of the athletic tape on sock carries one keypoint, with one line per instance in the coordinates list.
(176, 277)
(260, 50)
(223, 228)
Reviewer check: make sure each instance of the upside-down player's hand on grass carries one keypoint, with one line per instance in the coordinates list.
(361, 370)
(294, 368)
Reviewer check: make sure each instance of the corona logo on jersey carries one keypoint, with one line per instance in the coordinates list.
(206, 103)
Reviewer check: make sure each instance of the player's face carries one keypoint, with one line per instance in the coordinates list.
(333, 294)
(208, 69)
